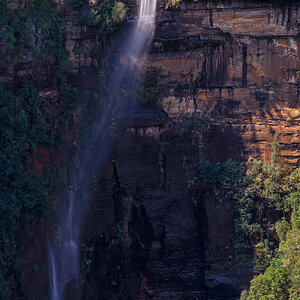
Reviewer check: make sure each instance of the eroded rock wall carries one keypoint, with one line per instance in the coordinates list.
(230, 73)
(237, 63)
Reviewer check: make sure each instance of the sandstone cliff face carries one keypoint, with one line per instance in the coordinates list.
(237, 63)
(230, 73)
(237, 67)
(231, 78)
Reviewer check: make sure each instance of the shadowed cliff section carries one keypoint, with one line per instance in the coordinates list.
(236, 66)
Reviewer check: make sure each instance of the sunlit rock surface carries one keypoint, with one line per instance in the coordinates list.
(236, 63)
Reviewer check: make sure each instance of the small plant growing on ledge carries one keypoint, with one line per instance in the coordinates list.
(172, 4)
(119, 11)
(152, 91)
(281, 278)
(86, 262)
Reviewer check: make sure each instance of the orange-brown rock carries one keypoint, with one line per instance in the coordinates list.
(238, 63)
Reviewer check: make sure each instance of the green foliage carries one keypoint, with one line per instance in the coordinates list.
(36, 27)
(191, 182)
(70, 96)
(87, 258)
(282, 228)
(4, 289)
(103, 15)
(119, 12)
(78, 49)
(120, 233)
(225, 179)
(151, 92)
(292, 189)
(263, 203)
(289, 247)
(261, 197)
(281, 279)
(265, 251)
(172, 4)
(270, 193)
(12, 28)
(274, 284)
(33, 116)
(265, 181)
(24, 122)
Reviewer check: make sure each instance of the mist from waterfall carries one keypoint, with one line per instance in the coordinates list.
(63, 253)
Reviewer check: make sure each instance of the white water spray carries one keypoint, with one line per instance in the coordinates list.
(64, 259)
(52, 273)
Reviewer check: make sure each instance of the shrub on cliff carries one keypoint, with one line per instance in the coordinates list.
(281, 279)
(34, 28)
(24, 122)
(104, 15)
(119, 12)
(152, 91)
(225, 179)
(261, 196)
(172, 4)
(270, 193)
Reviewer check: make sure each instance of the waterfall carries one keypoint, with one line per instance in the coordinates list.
(63, 257)
(52, 273)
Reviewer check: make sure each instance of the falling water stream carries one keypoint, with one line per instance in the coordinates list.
(63, 256)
